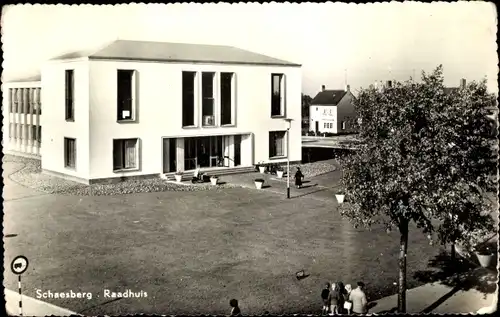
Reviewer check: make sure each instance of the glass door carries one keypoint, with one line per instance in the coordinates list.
(190, 157)
(216, 157)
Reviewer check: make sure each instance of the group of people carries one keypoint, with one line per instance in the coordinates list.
(340, 299)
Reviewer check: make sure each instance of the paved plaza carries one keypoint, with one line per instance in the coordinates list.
(193, 251)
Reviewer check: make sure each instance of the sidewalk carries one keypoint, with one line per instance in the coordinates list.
(32, 306)
(420, 298)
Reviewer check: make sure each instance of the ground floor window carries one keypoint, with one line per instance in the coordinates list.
(69, 152)
(277, 143)
(125, 154)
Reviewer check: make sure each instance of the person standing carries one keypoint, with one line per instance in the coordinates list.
(347, 302)
(298, 177)
(326, 298)
(335, 299)
(358, 299)
(341, 298)
(235, 310)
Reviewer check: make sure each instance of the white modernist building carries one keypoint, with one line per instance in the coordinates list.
(135, 109)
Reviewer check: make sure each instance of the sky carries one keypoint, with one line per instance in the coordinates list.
(335, 43)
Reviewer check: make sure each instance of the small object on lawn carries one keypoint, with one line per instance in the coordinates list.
(300, 274)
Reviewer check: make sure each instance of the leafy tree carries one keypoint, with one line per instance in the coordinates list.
(306, 102)
(426, 156)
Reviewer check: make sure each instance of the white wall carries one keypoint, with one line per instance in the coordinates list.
(159, 93)
(323, 114)
(53, 122)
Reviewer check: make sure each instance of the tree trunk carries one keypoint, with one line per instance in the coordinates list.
(403, 230)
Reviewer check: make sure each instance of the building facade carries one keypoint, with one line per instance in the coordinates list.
(22, 133)
(147, 109)
(332, 111)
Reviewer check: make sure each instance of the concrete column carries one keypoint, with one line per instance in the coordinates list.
(231, 150)
(25, 120)
(166, 154)
(247, 154)
(37, 98)
(180, 154)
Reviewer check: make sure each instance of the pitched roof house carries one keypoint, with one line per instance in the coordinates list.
(331, 111)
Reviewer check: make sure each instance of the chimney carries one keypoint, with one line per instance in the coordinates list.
(463, 83)
(347, 87)
(323, 88)
(389, 83)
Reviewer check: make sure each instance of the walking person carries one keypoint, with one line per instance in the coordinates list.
(326, 298)
(358, 299)
(235, 310)
(347, 302)
(298, 177)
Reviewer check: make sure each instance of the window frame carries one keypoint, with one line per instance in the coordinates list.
(213, 76)
(282, 94)
(67, 163)
(121, 142)
(232, 108)
(284, 145)
(133, 97)
(69, 94)
(195, 95)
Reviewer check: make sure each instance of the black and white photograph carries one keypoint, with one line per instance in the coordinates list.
(250, 159)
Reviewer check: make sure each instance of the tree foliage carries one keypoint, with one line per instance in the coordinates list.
(306, 102)
(428, 154)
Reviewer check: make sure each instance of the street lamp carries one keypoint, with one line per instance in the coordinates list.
(289, 122)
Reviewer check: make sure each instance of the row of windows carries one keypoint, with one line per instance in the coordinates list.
(25, 100)
(25, 132)
(125, 153)
(126, 97)
(329, 125)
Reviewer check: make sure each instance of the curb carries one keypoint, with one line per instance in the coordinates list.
(32, 306)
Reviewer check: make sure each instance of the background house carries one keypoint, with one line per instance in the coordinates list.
(137, 108)
(331, 111)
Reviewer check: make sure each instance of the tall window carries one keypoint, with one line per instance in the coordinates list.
(277, 143)
(188, 98)
(226, 98)
(207, 90)
(13, 100)
(125, 95)
(125, 154)
(70, 84)
(69, 152)
(33, 132)
(277, 101)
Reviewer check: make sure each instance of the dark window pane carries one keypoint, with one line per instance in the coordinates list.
(226, 102)
(188, 98)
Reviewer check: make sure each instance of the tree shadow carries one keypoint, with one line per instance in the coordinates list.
(316, 191)
(307, 186)
(459, 274)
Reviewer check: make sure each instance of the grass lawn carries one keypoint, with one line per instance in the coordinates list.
(193, 251)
